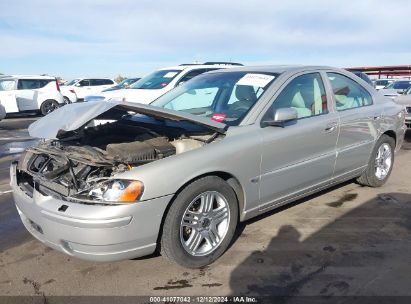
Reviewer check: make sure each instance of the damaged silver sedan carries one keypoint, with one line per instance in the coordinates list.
(118, 180)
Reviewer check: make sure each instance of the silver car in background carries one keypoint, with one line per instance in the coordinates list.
(178, 175)
(405, 101)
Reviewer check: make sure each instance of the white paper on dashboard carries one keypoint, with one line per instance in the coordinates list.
(256, 80)
(170, 75)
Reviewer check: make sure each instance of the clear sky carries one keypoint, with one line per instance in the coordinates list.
(106, 38)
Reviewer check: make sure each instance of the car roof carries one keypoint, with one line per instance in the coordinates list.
(29, 77)
(280, 69)
(396, 80)
(81, 78)
(216, 65)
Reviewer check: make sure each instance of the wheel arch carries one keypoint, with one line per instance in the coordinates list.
(392, 134)
(231, 180)
(46, 100)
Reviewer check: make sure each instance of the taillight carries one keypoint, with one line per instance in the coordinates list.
(57, 85)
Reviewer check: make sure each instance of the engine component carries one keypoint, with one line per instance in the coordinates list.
(141, 151)
(186, 144)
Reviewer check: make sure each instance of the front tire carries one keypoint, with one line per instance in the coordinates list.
(48, 106)
(200, 223)
(380, 164)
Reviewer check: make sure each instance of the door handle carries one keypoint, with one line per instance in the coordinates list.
(374, 117)
(330, 127)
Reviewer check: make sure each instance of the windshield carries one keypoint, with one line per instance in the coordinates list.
(399, 85)
(156, 80)
(225, 97)
(72, 82)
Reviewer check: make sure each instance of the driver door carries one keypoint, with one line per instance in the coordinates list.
(8, 95)
(302, 153)
(83, 88)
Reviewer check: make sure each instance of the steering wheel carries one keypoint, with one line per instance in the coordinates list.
(238, 110)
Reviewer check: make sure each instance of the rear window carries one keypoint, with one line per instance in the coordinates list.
(98, 82)
(101, 82)
(156, 80)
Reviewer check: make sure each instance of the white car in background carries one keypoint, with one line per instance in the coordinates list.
(382, 83)
(28, 93)
(82, 87)
(405, 101)
(2, 112)
(156, 84)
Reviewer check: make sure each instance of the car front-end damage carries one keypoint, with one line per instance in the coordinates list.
(69, 191)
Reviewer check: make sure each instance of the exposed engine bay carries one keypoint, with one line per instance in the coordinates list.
(82, 159)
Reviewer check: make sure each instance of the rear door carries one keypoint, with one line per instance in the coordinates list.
(301, 154)
(8, 95)
(358, 121)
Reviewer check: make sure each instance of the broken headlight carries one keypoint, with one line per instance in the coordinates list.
(119, 190)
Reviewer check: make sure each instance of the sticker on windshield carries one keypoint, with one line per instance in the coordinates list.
(170, 75)
(255, 80)
(218, 117)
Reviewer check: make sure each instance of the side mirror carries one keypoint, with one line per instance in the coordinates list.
(77, 84)
(400, 92)
(281, 116)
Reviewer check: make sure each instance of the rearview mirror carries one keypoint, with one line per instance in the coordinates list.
(281, 116)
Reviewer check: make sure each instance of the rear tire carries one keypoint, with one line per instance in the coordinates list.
(200, 223)
(48, 106)
(380, 164)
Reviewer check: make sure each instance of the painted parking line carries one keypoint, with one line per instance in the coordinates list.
(5, 192)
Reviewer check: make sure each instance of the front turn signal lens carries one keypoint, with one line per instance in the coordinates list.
(132, 193)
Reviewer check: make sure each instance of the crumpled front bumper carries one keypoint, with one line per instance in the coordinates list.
(91, 232)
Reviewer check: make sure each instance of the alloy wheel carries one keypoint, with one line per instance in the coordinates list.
(205, 223)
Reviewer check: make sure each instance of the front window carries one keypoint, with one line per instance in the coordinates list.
(305, 93)
(225, 97)
(7, 85)
(84, 83)
(156, 80)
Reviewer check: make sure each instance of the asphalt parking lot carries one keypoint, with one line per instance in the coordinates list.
(349, 240)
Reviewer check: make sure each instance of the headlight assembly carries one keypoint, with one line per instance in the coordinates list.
(119, 190)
